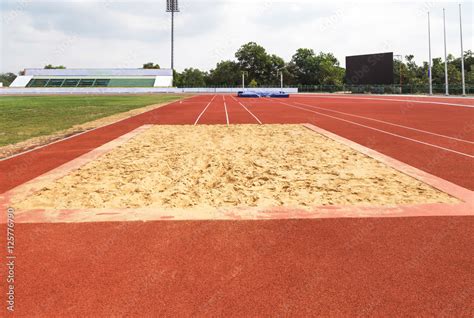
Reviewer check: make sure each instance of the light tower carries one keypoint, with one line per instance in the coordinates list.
(172, 6)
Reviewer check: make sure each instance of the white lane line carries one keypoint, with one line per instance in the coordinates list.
(382, 131)
(247, 110)
(386, 122)
(203, 111)
(390, 100)
(226, 113)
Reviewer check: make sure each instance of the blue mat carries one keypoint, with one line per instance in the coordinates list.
(250, 94)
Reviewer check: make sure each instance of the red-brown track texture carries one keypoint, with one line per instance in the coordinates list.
(417, 266)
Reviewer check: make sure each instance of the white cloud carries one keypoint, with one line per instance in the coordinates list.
(114, 33)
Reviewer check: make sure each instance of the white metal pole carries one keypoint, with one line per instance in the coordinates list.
(243, 80)
(462, 55)
(445, 55)
(281, 79)
(430, 76)
(172, 38)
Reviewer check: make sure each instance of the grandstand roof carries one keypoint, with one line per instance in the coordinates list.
(98, 72)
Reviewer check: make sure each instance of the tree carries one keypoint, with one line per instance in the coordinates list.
(150, 65)
(311, 69)
(226, 73)
(303, 66)
(177, 80)
(275, 65)
(52, 67)
(192, 77)
(254, 59)
(253, 83)
(328, 70)
(7, 78)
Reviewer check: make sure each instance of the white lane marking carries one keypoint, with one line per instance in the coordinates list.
(247, 110)
(386, 122)
(203, 111)
(382, 131)
(226, 113)
(390, 100)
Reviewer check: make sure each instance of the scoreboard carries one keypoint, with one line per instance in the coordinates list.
(374, 69)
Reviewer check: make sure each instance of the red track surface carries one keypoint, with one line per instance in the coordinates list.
(416, 266)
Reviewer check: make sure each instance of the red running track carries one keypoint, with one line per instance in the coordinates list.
(291, 268)
(339, 267)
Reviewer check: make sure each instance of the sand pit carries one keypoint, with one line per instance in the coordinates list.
(217, 166)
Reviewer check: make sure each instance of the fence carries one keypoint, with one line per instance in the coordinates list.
(384, 89)
(356, 89)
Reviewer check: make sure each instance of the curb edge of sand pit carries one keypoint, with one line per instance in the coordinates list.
(240, 213)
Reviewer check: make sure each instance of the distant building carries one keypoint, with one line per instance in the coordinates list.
(34, 77)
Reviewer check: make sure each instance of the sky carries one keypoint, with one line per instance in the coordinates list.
(127, 34)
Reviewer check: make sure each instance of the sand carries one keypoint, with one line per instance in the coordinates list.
(235, 166)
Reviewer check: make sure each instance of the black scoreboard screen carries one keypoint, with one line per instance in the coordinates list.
(375, 69)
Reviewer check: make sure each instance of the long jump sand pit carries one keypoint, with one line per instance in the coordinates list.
(194, 168)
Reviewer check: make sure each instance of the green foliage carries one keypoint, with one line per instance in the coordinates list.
(261, 66)
(150, 65)
(191, 77)
(226, 73)
(253, 83)
(254, 59)
(52, 67)
(7, 78)
(311, 69)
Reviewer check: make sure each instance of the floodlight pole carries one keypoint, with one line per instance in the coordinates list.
(172, 6)
(430, 77)
(462, 55)
(445, 55)
(172, 40)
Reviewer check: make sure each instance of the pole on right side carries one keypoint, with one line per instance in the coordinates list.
(430, 76)
(462, 55)
(445, 55)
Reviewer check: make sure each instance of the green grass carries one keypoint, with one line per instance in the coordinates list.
(22, 118)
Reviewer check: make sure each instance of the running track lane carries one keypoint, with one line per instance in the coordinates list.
(238, 114)
(338, 267)
(453, 167)
(420, 100)
(463, 147)
(214, 114)
(423, 116)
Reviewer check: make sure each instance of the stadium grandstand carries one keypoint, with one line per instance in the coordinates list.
(71, 78)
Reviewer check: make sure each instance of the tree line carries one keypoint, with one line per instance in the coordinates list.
(309, 68)
(306, 67)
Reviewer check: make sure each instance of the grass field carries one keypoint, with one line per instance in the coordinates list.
(22, 118)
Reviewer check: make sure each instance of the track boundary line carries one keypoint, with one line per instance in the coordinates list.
(392, 100)
(247, 110)
(205, 108)
(383, 131)
(388, 123)
(226, 113)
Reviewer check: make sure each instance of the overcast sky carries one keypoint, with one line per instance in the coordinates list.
(124, 33)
